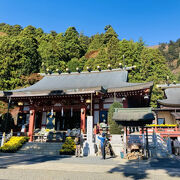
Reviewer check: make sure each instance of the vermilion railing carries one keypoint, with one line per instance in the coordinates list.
(165, 131)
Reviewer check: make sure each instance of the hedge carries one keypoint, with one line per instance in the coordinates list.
(14, 144)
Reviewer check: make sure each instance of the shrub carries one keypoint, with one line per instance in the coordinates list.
(14, 144)
(114, 127)
(69, 147)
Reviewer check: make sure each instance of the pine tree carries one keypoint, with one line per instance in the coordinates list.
(113, 51)
(109, 34)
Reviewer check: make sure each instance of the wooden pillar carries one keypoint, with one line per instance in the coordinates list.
(143, 139)
(125, 141)
(83, 119)
(31, 124)
(147, 143)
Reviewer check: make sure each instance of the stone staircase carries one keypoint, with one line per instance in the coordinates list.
(160, 149)
(40, 148)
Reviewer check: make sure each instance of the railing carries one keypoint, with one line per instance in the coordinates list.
(5, 138)
(155, 142)
(165, 131)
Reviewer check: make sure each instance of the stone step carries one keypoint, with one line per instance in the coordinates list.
(39, 152)
(40, 148)
(43, 146)
(34, 149)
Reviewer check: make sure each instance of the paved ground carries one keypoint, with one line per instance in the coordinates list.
(26, 166)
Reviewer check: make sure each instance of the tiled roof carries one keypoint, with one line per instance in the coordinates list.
(84, 82)
(173, 97)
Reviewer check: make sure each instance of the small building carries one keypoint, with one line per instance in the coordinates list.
(63, 101)
(168, 112)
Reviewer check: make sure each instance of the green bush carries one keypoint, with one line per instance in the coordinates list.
(14, 144)
(114, 127)
(69, 147)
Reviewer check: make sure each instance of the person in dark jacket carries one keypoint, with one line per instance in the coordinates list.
(103, 145)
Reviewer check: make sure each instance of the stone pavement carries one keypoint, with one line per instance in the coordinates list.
(26, 166)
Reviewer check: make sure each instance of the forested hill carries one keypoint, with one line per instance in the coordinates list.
(171, 51)
(25, 51)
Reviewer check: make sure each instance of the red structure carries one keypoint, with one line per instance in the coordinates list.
(63, 101)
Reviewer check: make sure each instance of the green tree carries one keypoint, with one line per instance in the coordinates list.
(109, 34)
(96, 42)
(113, 50)
(101, 60)
(89, 63)
(152, 67)
(29, 31)
(82, 62)
(73, 48)
(84, 42)
(7, 122)
(114, 127)
(73, 64)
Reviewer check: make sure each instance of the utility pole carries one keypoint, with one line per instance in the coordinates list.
(124, 62)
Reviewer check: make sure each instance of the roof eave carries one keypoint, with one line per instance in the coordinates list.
(132, 88)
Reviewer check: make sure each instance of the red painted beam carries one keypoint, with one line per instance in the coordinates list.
(83, 119)
(31, 125)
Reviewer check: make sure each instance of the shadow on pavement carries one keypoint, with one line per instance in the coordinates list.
(130, 169)
(7, 159)
(138, 169)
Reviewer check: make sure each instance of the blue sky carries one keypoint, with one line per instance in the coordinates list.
(153, 20)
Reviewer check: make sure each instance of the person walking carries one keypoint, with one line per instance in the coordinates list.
(103, 145)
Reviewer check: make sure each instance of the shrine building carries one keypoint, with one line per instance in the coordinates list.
(63, 101)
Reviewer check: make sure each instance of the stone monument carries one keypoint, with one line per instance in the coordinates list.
(89, 144)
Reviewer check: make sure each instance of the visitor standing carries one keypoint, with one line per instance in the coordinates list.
(78, 146)
(103, 145)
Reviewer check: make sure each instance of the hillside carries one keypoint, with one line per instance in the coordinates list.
(3, 34)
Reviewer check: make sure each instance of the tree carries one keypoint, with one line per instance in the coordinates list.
(89, 63)
(96, 42)
(113, 50)
(101, 60)
(29, 31)
(107, 27)
(7, 122)
(82, 62)
(18, 56)
(73, 64)
(109, 34)
(114, 127)
(152, 67)
(73, 48)
(84, 42)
